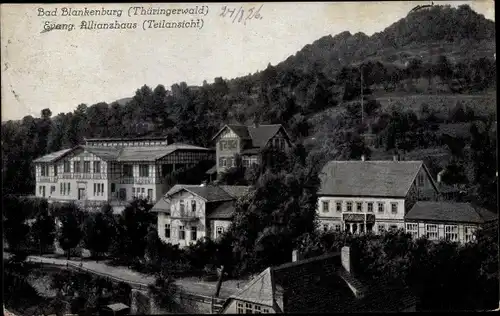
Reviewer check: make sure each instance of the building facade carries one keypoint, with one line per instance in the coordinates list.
(113, 170)
(359, 196)
(188, 213)
(247, 142)
(457, 222)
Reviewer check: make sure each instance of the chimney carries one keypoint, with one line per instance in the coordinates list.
(295, 255)
(363, 157)
(345, 257)
(170, 139)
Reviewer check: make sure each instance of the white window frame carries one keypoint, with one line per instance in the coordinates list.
(359, 206)
(469, 232)
(338, 206)
(394, 207)
(182, 233)
(327, 204)
(239, 308)
(219, 230)
(380, 207)
(412, 228)
(369, 207)
(432, 234)
(379, 226)
(451, 232)
(338, 227)
(349, 206)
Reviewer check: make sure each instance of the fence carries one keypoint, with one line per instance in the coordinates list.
(214, 302)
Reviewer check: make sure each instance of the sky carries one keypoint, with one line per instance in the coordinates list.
(60, 69)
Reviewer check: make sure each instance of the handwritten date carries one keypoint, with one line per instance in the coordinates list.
(239, 15)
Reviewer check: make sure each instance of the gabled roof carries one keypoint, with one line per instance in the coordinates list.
(211, 193)
(125, 154)
(259, 135)
(52, 157)
(368, 178)
(162, 206)
(319, 285)
(450, 212)
(224, 210)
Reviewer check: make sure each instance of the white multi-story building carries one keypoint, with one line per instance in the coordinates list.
(188, 213)
(360, 196)
(113, 170)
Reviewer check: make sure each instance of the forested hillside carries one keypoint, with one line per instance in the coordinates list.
(423, 79)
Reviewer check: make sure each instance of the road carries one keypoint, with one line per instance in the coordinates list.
(191, 285)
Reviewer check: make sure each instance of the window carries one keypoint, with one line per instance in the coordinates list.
(380, 207)
(223, 162)
(412, 228)
(221, 145)
(325, 206)
(248, 308)
(52, 189)
(381, 228)
(394, 208)
(143, 170)
(194, 231)
(325, 227)
(66, 167)
(359, 206)
(182, 233)
(69, 188)
(370, 206)
(133, 192)
(193, 206)
(451, 232)
(113, 187)
(95, 188)
(150, 193)
(431, 231)
(219, 230)
(239, 307)
(143, 191)
(76, 167)
(86, 166)
(469, 233)
(97, 167)
(282, 143)
(127, 171)
(337, 227)
(246, 162)
(349, 206)
(393, 227)
(55, 171)
(42, 170)
(338, 206)
(420, 179)
(181, 203)
(167, 230)
(257, 309)
(369, 227)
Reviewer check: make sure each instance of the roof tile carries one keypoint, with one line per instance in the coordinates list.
(449, 212)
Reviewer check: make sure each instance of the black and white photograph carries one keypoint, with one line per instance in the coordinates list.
(249, 158)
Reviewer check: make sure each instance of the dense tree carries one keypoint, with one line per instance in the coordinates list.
(70, 233)
(15, 215)
(98, 231)
(43, 230)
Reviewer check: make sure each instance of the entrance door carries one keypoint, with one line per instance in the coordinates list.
(81, 193)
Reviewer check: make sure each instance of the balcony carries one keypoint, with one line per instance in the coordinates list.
(184, 216)
(358, 217)
(49, 179)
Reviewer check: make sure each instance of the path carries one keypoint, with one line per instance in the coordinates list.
(191, 285)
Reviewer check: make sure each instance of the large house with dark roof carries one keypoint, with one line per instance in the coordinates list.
(448, 220)
(360, 196)
(247, 142)
(324, 284)
(114, 169)
(188, 213)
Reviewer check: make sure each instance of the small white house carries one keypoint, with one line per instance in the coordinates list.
(452, 221)
(188, 213)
